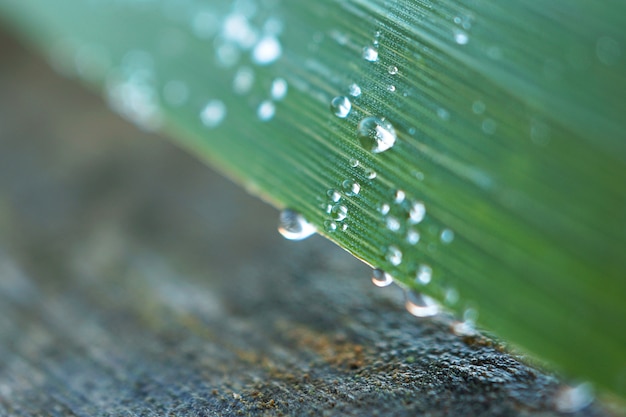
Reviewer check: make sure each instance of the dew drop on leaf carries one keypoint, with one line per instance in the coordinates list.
(375, 134)
(293, 226)
(381, 279)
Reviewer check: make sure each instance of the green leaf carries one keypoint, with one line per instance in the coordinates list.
(509, 117)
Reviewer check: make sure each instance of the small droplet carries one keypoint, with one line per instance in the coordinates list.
(451, 296)
(333, 195)
(376, 135)
(424, 274)
(266, 51)
(213, 113)
(354, 162)
(412, 237)
(420, 305)
(355, 90)
(351, 188)
(384, 208)
(443, 113)
(293, 226)
(574, 398)
(478, 107)
(279, 89)
(339, 212)
(330, 226)
(417, 212)
(243, 80)
(381, 279)
(391, 88)
(393, 70)
(461, 37)
(394, 255)
(370, 174)
(266, 110)
(447, 236)
(341, 106)
(399, 197)
(489, 126)
(370, 54)
(393, 224)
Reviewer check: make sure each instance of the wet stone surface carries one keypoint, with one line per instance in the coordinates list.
(134, 281)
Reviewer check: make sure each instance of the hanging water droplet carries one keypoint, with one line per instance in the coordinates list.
(574, 398)
(355, 90)
(376, 135)
(333, 195)
(420, 305)
(381, 279)
(279, 89)
(351, 188)
(464, 328)
(293, 226)
(340, 106)
(417, 212)
(393, 224)
(394, 255)
(213, 113)
(266, 110)
(412, 236)
(370, 54)
(447, 236)
(393, 70)
(339, 212)
(384, 208)
(424, 274)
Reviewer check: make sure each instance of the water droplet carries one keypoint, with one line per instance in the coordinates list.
(412, 236)
(266, 51)
(384, 208)
(391, 88)
(489, 126)
(333, 195)
(370, 54)
(351, 188)
(574, 398)
(420, 305)
(243, 80)
(417, 212)
(394, 255)
(376, 135)
(339, 212)
(461, 37)
(464, 328)
(330, 226)
(213, 113)
(355, 90)
(279, 89)
(266, 110)
(293, 226)
(354, 162)
(370, 174)
(381, 279)
(399, 197)
(393, 224)
(443, 113)
(424, 274)
(340, 106)
(447, 236)
(478, 107)
(393, 70)
(451, 296)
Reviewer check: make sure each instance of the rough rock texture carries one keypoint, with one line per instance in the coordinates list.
(136, 282)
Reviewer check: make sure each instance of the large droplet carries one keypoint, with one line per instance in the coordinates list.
(420, 305)
(293, 226)
(340, 106)
(376, 135)
(380, 278)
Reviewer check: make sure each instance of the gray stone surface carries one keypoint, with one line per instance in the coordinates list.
(136, 282)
